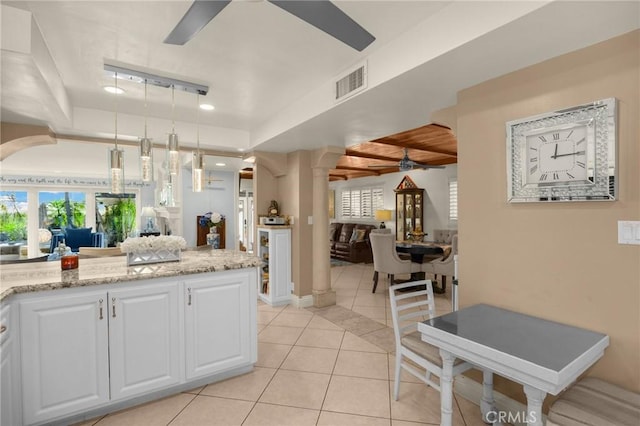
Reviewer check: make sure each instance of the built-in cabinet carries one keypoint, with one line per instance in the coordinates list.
(80, 351)
(83, 349)
(9, 377)
(144, 339)
(218, 326)
(65, 355)
(274, 248)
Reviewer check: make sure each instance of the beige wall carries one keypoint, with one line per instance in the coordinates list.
(293, 190)
(558, 261)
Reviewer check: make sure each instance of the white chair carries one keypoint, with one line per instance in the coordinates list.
(386, 259)
(407, 309)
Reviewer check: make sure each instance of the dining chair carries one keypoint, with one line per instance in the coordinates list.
(443, 266)
(407, 309)
(386, 259)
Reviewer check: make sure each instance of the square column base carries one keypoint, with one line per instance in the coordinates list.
(324, 298)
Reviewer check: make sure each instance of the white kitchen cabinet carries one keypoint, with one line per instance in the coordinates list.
(219, 323)
(274, 248)
(144, 333)
(81, 351)
(92, 351)
(9, 380)
(65, 355)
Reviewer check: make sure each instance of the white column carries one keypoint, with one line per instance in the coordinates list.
(323, 295)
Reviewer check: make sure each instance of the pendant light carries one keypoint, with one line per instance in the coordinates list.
(116, 156)
(146, 147)
(197, 163)
(172, 141)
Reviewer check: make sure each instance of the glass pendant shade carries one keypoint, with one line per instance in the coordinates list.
(146, 160)
(174, 155)
(197, 173)
(116, 174)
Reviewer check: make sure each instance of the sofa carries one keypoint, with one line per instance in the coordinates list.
(345, 244)
(76, 238)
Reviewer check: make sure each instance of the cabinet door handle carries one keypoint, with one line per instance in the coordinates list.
(113, 307)
(100, 305)
(3, 328)
(189, 293)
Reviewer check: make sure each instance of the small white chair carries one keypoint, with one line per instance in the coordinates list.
(416, 306)
(386, 259)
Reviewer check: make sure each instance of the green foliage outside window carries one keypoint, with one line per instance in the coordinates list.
(119, 220)
(13, 222)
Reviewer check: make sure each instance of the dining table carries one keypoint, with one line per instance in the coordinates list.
(542, 355)
(420, 252)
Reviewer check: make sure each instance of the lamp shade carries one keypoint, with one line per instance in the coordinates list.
(383, 215)
(148, 211)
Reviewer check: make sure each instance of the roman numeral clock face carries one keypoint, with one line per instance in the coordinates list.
(557, 156)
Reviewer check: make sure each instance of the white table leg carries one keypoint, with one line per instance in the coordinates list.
(487, 404)
(446, 388)
(534, 405)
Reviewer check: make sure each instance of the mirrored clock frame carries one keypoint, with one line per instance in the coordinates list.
(600, 120)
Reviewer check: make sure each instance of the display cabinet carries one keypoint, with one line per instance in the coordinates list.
(274, 248)
(409, 211)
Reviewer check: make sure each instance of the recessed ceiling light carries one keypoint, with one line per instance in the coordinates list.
(207, 107)
(114, 90)
(221, 164)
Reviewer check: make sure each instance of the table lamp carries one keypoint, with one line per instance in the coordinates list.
(383, 215)
(148, 219)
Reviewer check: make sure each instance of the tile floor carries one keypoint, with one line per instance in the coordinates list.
(315, 367)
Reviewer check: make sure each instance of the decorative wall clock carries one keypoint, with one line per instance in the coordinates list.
(565, 155)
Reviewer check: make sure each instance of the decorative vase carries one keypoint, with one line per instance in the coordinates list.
(213, 238)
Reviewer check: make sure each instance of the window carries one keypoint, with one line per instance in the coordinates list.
(453, 200)
(13, 216)
(361, 203)
(62, 209)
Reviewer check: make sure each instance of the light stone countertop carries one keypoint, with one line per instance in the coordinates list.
(44, 276)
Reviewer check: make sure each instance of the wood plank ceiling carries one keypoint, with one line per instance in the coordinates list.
(432, 144)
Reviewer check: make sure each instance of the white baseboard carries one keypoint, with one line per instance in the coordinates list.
(302, 302)
(471, 390)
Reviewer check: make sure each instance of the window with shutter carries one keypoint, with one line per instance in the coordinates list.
(453, 200)
(361, 203)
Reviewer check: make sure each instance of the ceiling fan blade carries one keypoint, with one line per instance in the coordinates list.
(327, 17)
(426, 166)
(383, 166)
(198, 15)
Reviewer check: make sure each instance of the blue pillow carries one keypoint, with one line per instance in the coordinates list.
(78, 237)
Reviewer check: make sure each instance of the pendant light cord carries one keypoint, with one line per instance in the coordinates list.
(173, 106)
(145, 108)
(115, 78)
(198, 122)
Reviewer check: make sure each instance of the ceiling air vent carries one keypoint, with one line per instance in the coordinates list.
(351, 83)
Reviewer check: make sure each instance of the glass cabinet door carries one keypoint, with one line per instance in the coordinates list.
(409, 212)
(400, 217)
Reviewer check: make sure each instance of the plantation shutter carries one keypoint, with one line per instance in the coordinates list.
(453, 200)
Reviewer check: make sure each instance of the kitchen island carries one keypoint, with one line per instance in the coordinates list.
(77, 344)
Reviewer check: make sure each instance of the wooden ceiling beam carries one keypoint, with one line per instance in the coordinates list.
(418, 147)
(352, 153)
(358, 169)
